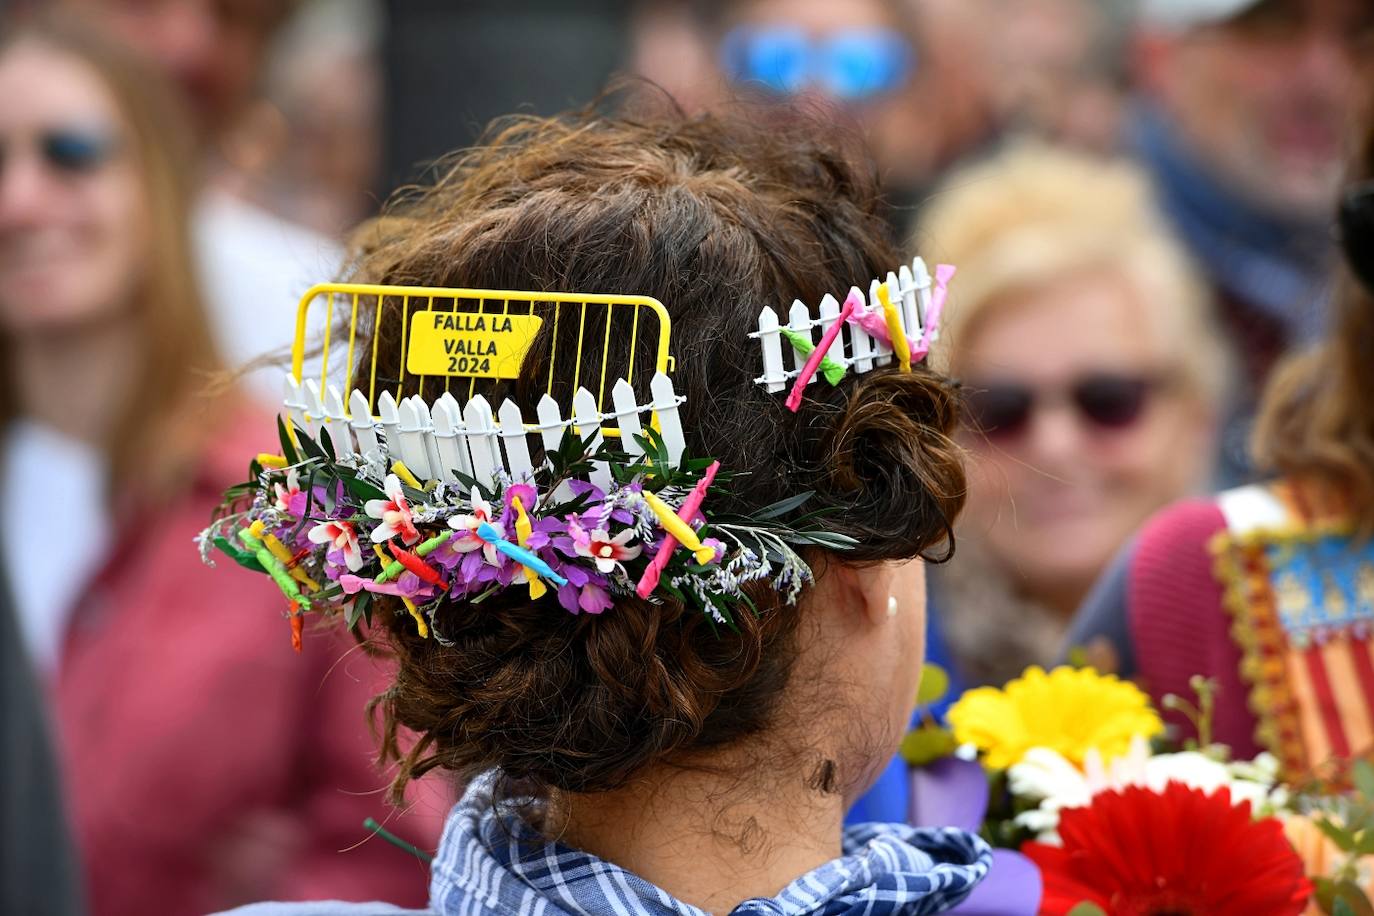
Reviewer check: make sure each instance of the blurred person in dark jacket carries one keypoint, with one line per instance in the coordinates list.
(200, 767)
(1243, 123)
(38, 871)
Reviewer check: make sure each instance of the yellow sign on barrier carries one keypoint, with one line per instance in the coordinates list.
(469, 341)
(470, 344)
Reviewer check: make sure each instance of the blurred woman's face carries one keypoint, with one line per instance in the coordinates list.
(1080, 429)
(73, 220)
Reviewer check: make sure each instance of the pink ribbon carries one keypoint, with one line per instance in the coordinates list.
(353, 584)
(943, 274)
(689, 509)
(813, 362)
(873, 323)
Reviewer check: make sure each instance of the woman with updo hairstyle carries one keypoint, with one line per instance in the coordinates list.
(642, 759)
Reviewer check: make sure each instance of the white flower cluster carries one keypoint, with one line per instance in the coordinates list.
(1045, 776)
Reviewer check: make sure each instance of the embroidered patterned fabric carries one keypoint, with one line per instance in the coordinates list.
(1322, 585)
(492, 862)
(1281, 614)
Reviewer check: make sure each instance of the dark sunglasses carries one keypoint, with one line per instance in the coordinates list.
(1357, 231)
(1106, 400)
(71, 150)
(849, 65)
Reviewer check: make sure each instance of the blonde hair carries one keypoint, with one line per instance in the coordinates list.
(159, 429)
(1032, 215)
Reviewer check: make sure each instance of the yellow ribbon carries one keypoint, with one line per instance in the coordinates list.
(523, 529)
(900, 347)
(283, 555)
(685, 534)
(399, 468)
(268, 460)
(419, 618)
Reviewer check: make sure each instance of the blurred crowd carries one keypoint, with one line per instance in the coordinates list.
(1140, 195)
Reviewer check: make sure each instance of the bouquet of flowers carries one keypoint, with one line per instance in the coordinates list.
(1068, 774)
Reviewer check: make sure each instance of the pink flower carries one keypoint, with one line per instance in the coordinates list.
(340, 535)
(529, 496)
(286, 495)
(466, 526)
(608, 552)
(394, 512)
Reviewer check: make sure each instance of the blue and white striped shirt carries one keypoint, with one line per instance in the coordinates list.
(491, 862)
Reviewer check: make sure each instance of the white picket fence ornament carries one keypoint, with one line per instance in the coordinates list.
(910, 289)
(436, 440)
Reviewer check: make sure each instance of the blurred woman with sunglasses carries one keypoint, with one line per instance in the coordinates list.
(181, 741)
(1269, 589)
(1092, 377)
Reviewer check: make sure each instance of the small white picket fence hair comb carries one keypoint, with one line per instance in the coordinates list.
(857, 336)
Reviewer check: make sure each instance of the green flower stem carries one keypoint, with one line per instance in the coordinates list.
(395, 568)
(394, 840)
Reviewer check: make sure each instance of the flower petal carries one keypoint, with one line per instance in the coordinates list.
(949, 793)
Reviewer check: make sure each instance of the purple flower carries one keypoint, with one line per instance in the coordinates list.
(591, 598)
(954, 792)
(585, 591)
(579, 487)
(594, 599)
(564, 545)
(446, 556)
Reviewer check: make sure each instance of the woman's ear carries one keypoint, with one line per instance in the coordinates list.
(878, 587)
(867, 592)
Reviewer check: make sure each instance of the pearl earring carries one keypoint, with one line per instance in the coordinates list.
(892, 605)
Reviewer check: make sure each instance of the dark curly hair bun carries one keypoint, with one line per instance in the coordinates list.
(715, 216)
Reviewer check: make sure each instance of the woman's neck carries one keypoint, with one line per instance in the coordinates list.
(76, 382)
(707, 839)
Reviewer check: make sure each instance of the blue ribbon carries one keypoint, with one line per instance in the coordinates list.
(489, 533)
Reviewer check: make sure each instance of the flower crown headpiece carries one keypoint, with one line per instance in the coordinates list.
(430, 501)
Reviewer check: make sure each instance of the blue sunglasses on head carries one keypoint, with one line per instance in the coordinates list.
(849, 65)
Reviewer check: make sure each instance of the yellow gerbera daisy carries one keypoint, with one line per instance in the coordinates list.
(1069, 710)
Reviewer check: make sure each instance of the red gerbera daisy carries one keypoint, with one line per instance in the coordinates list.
(1179, 852)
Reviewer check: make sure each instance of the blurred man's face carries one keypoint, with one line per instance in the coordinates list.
(212, 48)
(893, 118)
(1265, 98)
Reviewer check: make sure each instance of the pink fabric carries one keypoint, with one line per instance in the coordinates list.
(690, 509)
(1178, 624)
(943, 274)
(206, 763)
(813, 361)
